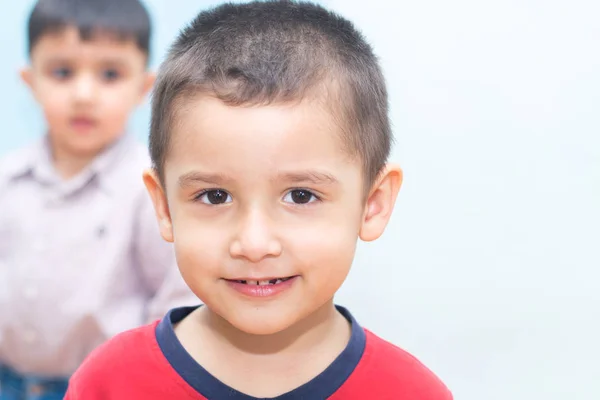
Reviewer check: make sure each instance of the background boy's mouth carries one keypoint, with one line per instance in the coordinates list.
(83, 123)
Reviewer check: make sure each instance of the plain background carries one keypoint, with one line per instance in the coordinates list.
(489, 270)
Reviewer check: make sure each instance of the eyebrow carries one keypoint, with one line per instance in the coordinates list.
(190, 178)
(112, 61)
(310, 176)
(58, 59)
(69, 59)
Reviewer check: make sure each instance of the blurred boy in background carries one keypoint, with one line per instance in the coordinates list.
(81, 257)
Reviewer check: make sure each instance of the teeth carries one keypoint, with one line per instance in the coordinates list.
(264, 283)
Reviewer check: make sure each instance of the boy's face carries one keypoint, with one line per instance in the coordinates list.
(265, 194)
(87, 89)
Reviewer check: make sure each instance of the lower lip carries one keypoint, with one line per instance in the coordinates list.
(262, 291)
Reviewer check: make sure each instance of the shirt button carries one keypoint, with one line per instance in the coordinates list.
(35, 391)
(30, 292)
(29, 336)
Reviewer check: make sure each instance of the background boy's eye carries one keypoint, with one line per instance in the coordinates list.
(214, 197)
(299, 196)
(110, 75)
(62, 73)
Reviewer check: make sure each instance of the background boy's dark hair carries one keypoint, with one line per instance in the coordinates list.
(277, 51)
(127, 19)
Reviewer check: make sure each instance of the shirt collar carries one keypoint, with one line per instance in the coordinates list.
(322, 386)
(105, 162)
(36, 162)
(20, 163)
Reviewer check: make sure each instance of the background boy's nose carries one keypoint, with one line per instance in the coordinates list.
(255, 238)
(84, 88)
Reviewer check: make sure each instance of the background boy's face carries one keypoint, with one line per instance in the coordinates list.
(87, 89)
(262, 192)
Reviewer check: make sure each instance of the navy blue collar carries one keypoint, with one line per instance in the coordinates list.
(321, 387)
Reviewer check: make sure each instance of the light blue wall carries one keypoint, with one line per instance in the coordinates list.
(21, 119)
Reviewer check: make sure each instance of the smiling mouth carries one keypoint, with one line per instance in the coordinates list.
(267, 282)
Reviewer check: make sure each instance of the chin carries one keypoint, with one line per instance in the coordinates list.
(260, 326)
(258, 321)
(87, 149)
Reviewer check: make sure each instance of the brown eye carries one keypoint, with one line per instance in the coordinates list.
(300, 196)
(214, 197)
(62, 73)
(110, 75)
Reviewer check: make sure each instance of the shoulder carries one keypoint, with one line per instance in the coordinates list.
(133, 158)
(16, 162)
(397, 371)
(129, 366)
(18, 154)
(138, 154)
(117, 362)
(121, 170)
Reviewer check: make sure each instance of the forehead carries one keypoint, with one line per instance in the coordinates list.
(261, 139)
(67, 43)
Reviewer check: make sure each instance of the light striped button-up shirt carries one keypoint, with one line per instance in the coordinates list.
(80, 260)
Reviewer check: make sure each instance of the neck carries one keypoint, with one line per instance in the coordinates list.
(68, 164)
(294, 356)
(68, 168)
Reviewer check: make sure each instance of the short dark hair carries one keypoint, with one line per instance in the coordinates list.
(266, 52)
(127, 19)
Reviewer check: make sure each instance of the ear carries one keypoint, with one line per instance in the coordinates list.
(148, 82)
(380, 202)
(161, 206)
(27, 76)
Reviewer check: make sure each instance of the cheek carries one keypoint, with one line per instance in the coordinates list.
(55, 114)
(198, 245)
(329, 252)
(200, 254)
(325, 263)
(54, 101)
(327, 249)
(118, 103)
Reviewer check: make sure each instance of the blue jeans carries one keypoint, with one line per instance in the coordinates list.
(14, 386)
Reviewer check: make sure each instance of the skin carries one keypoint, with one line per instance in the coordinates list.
(265, 191)
(87, 90)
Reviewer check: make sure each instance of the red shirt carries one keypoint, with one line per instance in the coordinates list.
(149, 363)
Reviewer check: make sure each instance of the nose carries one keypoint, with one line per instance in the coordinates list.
(255, 239)
(84, 89)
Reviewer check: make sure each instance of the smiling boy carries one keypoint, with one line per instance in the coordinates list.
(269, 139)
